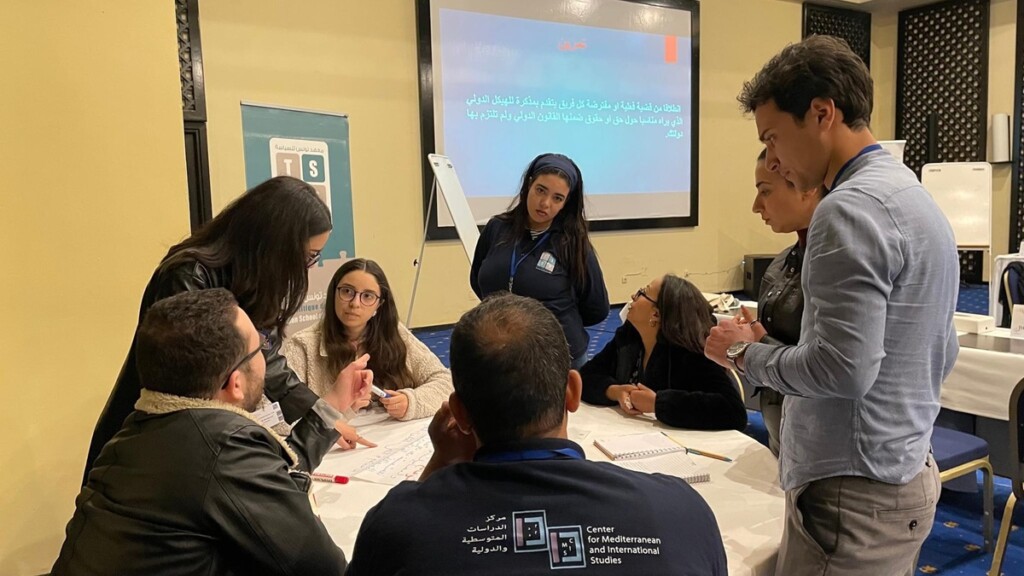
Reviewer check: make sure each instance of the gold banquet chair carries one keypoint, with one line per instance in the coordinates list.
(959, 454)
(1017, 473)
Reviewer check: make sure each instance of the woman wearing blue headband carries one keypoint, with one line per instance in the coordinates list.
(540, 248)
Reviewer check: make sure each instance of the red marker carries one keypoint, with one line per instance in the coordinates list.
(320, 476)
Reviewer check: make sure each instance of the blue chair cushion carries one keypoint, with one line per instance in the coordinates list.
(952, 448)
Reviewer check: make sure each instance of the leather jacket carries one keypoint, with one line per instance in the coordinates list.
(780, 306)
(282, 385)
(193, 486)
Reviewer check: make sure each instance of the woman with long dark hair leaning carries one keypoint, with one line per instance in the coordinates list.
(259, 247)
(540, 247)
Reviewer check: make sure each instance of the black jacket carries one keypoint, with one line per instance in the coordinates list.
(780, 306)
(536, 515)
(691, 391)
(552, 286)
(197, 491)
(282, 385)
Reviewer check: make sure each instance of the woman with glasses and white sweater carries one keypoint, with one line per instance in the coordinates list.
(361, 317)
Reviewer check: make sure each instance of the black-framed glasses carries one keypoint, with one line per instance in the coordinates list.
(264, 345)
(366, 298)
(642, 293)
(313, 258)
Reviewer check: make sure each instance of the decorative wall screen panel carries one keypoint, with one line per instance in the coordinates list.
(193, 92)
(193, 109)
(942, 69)
(1017, 183)
(942, 79)
(850, 25)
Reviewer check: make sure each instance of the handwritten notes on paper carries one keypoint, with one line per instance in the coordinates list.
(401, 461)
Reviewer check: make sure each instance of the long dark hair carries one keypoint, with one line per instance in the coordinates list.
(686, 316)
(574, 244)
(380, 339)
(261, 236)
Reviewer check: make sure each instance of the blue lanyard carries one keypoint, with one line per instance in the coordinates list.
(513, 265)
(866, 149)
(519, 456)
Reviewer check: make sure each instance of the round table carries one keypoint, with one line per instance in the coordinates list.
(744, 494)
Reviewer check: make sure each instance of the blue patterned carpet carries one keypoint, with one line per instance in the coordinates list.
(955, 545)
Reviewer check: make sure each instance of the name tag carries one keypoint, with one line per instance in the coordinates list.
(270, 415)
(547, 262)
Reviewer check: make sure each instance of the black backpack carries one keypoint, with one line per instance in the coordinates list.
(1011, 290)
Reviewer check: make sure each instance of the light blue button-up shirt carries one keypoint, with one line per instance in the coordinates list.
(880, 280)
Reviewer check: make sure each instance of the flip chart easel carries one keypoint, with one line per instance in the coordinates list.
(447, 181)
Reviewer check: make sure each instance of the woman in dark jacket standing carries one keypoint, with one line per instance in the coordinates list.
(780, 305)
(259, 247)
(540, 248)
(656, 363)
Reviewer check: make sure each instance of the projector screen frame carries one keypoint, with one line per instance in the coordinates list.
(428, 134)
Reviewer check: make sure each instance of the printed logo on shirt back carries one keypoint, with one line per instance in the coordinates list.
(572, 546)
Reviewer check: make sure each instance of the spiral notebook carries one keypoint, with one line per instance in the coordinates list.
(653, 452)
(641, 445)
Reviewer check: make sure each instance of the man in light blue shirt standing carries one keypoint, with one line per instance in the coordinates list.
(880, 279)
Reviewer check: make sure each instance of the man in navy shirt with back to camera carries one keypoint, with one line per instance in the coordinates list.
(506, 492)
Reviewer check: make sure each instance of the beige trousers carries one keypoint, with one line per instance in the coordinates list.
(849, 525)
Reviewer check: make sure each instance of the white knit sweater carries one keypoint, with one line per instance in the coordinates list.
(432, 382)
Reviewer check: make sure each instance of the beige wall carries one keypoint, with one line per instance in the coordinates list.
(94, 191)
(360, 59)
(1002, 39)
(884, 29)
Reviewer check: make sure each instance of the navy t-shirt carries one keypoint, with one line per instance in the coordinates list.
(537, 515)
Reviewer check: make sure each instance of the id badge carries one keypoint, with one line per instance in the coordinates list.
(270, 415)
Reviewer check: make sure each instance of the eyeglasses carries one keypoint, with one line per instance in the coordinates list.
(313, 258)
(642, 292)
(348, 293)
(264, 345)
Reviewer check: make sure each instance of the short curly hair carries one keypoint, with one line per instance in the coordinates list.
(186, 343)
(818, 67)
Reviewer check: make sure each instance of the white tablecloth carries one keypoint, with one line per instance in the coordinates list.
(744, 494)
(982, 380)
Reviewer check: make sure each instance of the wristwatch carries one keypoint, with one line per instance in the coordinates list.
(735, 352)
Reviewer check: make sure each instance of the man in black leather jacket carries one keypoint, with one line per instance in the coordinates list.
(193, 483)
(283, 386)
